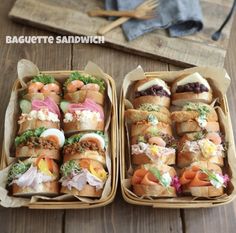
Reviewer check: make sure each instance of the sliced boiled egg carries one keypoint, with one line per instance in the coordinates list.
(55, 135)
(94, 137)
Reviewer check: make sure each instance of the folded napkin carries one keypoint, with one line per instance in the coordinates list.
(180, 17)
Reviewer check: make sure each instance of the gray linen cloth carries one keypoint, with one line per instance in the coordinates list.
(180, 17)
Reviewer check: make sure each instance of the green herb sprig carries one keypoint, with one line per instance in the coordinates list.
(69, 167)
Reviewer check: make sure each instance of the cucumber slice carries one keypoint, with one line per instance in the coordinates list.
(64, 106)
(25, 106)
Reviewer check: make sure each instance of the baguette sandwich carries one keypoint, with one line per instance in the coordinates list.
(195, 117)
(79, 87)
(203, 146)
(34, 177)
(38, 113)
(191, 87)
(83, 177)
(85, 146)
(33, 143)
(82, 116)
(152, 91)
(155, 181)
(43, 86)
(203, 179)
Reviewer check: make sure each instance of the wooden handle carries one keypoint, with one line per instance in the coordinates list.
(110, 13)
(103, 30)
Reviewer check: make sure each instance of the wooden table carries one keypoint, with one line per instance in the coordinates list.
(118, 216)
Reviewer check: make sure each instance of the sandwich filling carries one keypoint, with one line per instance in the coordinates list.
(154, 90)
(78, 174)
(28, 174)
(41, 138)
(85, 112)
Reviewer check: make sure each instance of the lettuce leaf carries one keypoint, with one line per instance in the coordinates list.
(69, 167)
(27, 134)
(43, 78)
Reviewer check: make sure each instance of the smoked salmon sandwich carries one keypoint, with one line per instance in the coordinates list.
(39, 113)
(191, 87)
(203, 179)
(155, 181)
(33, 143)
(80, 86)
(195, 117)
(82, 116)
(34, 176)
(152, 91)
(43, 86)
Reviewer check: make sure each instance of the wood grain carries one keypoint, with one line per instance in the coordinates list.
(72, 18)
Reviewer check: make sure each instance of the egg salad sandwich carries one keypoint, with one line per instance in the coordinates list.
(81, 86)
(191, 87)
(83, 177)
(38, 113)
(203, 179)
(33, 143)
(201, 146)
(34, 177)
(155, 181)
(43, 86)
(195, 117)
(153, 91)
(82, 116)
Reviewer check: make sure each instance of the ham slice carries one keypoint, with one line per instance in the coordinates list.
(47, 103)
(88, 104)
(78, 181)
(32, 178)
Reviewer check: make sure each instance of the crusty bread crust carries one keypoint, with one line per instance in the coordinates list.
(158, 100)
(26, 152)
(206, 191)
(81, 95)
(133, 115)
(153, 190)
(138, 159)
(185, 158)
(41, 96)
(87, 154)
(180, 116)
(75, 126)
(192, 126)
(142, 129)
(36, 123)
(46, 188)
(87, 191)
(179, 99)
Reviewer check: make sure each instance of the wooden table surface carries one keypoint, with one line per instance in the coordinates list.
(118, 216)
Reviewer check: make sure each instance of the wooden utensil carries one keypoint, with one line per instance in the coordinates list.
(146, 7)
(138, 14)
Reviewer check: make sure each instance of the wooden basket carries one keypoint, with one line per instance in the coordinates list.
(178, 202)
(41, 204)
